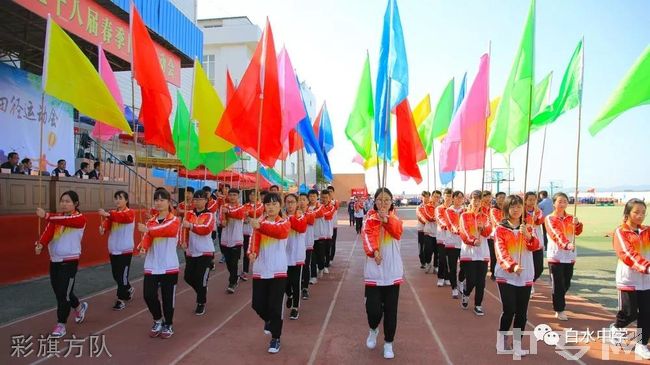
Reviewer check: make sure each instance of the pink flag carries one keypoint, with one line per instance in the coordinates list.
(102, 131)
(293, 109)
(464, 146)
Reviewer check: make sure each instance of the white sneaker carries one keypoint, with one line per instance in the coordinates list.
(640, 350)
(461, 286)
(561, 316)
(313, 281)
(427, 269)
(388, 350)
(447, 283)
(516, 347)
(326, 270)
(454, 293)
(371, 341)
(441, 283)
(435, 270)
(320, 273)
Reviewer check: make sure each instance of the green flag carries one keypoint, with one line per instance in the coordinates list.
(442, 115)
(182, 125)
(510, 126)
(633, 91)
(540, 94)
(359, 129)
(219, 161)
(570, 92)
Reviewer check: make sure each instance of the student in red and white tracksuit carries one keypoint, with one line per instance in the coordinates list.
(303, 205)
(62, 236)
(254, 210)
(268, 254)
(423, 218)
(161, 263)
(632, 245)
(535, 219)
(334, 224)
(317, 229)
(330, 205)
(199, 253)
(515, 244)
(323, 213)
(496, 216)
(295, 252)
(186, 206)
(453, 242)
(120, 223)
(232, 235)
(442, 224)
(475, 228)
(561, 253)
(383, 272)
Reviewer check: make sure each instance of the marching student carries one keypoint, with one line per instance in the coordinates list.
(267, 253)
(561, 255)
(426, 217)
(475, 227)
(303, 205)
(632, 245)
(331, 209)
(254, 210)
(496, 216)
(232, 235)
(197, 230)
(324, 214)
(186, 206)
(453, 243)
(334, 224)
(315, 208)
(431, 258)
(161, 263)
(514, 246)
(295, 252)
(535, 219)
(383, 272)
(423, 219)
(359, 213)
(62, 236)
(120, 223)
(442, 233)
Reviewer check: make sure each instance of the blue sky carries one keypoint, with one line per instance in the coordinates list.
(327, 41)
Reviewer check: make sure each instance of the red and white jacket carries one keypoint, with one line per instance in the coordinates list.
(160, 244)
(560, 231)
(181, 209)
(426, 214)
(269, 243)
(62, 235)
(496, 216)
(535, 219)
(120, 226)
(309, 234)
(336, 204)
(296, 250)
(323, 215)
(453, 239)
(199, 236)
(442, 224)
(633, 251)
(385, 238)
(511, 248)
(474, 246)
(232, 220)
(251, 212)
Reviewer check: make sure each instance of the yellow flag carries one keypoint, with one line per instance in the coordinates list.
(422, 110)
(493, 111)
(207, 110)
(69, 76)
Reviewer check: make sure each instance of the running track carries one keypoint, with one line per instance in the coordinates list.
(332, 327)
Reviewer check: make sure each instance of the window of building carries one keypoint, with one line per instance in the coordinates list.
(208, 66)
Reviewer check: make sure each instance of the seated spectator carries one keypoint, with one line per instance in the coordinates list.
(60, 169)
(84, 170)
(94, 174)
(26, 166)
(12, 163)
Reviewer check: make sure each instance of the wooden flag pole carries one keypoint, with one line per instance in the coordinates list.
(485, 134)
(541, 159)
(386, 131)
(259, 146)
(575, 205)
(41, 160)
(530, 111)
(433, 162)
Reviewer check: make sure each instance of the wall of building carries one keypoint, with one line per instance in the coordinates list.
(343, 183)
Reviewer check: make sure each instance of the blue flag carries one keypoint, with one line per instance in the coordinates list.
(392, 77)
(447, 177)
(325, 138)
(312, 145)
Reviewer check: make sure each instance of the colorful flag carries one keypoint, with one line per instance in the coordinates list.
(156, 101)
(570, 93)
(511, 123)
(424, 123)
(230, 87)
(464, 146)
(444, 112)
(255, 106)
(102, 131)
(187, 145)
(219, 161)
(448, 176)
(633, 91)
(409, 146)
(304, 129)
(359, 128)
(540, 95)
(293, 110)
(325, 137)
(392, 77)
(207, 110)
(69, 76)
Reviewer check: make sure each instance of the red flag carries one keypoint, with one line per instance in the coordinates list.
(409, 146)
(156, 101)
(316, 125)
(230, 87)
(240, 123)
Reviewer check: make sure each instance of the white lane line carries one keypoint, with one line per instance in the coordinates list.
(430, 324)
(196, 344)
(321, 334)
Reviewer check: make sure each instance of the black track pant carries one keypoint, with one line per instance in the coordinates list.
(475, 272)
(246, 261)
(538, 262)
(332, 250)
(232, 255)
(430, 248)
(293, 284)
(268, 297)
(493, 257)
(442, 261)
(381, 301)
(196, 275)
(452, 265)
(514, 300)
(561, 275)
(421, 247)
(306, 269)
(634, 305)
(358, 224)
(167, 285)
(120, 265)
(321, 249)
(62, 277)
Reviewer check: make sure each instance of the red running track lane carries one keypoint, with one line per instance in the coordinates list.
(432, 328)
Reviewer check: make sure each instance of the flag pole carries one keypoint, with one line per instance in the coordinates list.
(428, 177)
(582, 74)
(433, 162)
(541, 159)
(41, 160)
(530, 111)
(386, 131)
(485, 134)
